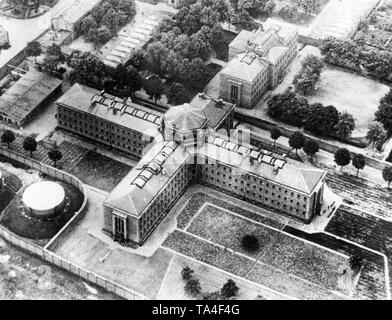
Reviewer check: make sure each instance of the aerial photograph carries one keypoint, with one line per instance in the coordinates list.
(195, 150)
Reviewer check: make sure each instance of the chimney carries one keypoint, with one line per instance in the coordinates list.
(163, 172)
(276, 169)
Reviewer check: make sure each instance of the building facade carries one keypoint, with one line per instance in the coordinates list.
(258, 61)
(144, 197)
(112, 122)
(186, 149)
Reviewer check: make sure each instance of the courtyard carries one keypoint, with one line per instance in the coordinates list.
(99, 171)
(199, 232)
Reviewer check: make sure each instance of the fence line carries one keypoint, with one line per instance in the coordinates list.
(43, 252)
(69, 266)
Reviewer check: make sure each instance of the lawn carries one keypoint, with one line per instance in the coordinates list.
(298, 16)
(307, 261)
(281, 281)
(100, 171)
(206, 252)
(227, 230)
(350, 92)
(279, 250)
(198, 199)
(211, 280)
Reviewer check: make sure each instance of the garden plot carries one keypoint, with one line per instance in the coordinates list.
(100, 171)
(278, 250)
(307, 261)
(362, 194)
(227, 230)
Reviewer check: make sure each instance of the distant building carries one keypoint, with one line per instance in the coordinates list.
(4, 37)
(27, 97)
(73, 14)
(258, 61)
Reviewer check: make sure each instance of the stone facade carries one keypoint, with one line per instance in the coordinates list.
(258, 61)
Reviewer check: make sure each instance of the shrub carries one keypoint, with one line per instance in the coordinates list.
(229, 289)
(192, 287)
(187, 273)
(250, 243)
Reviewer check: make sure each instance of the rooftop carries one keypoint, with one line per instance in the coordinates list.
(110, 108)
(246, 66)
(76, 10)
(137, 190)
(27, 93)
(186, 117)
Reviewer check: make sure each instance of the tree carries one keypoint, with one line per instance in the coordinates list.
(154, 88)
(244, 20)
(297, 141)
(359, 162)
(156, 57)
(345, 126)
(275, 134)
(192, 287)
(306, 5)
(8, 137)
(30, 145)
(55, 50)
(309, 76)
(322, 119)
(384, 112)
(55, 155)
(311, 147)
(376, 134)
(342, 157)
(356, 262)
(250, 243)
(177, 94)
(133, 81)
(229, 289)
(187, 273)
(387, 175)
(34, 49)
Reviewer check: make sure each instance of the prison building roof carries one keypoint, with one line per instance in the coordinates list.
(246, 67)
(27, 94)
(304, 179)
(137, 190)
(215, 111)
(110, 108)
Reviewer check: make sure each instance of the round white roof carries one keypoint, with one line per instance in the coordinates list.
(44, 195)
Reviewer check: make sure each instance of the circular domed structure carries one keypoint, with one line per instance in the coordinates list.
(44, 199)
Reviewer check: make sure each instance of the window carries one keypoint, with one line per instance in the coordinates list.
(234, 92)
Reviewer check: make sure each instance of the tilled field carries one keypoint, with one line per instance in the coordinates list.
(362, 194)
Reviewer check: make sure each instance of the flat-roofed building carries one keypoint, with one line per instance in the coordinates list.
(258, 61)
